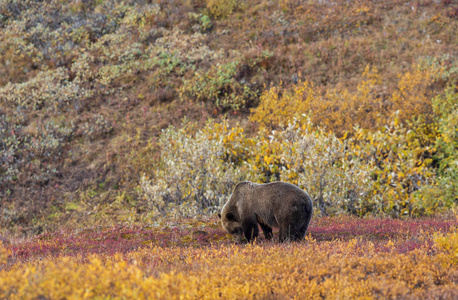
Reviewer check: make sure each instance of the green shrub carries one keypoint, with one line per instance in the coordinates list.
(203, 22)
(218, 86)
(327, 168)
(49, 89)
(222, 8)
(30, 154)
(446, 107)
(189, 48)
(96, 127)
(193, 178)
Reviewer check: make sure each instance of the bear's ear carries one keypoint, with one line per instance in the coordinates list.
(230, 217)
(219, 215)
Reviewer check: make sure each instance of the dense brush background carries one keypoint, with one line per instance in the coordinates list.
(354, 101)
(125, 125)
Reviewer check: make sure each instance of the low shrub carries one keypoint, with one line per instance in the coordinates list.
(222, 8)
(192, 179)
(50, 90)
(219, 86)
(328, 168)
(98, 126)
(30, 154)
(446, 108)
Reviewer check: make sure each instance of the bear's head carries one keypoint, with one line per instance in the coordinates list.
(232, 224)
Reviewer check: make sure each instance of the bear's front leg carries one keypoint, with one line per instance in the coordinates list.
(250, 229)
(267, 231)
(265, 227)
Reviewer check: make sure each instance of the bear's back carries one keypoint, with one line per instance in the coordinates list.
(286, 189)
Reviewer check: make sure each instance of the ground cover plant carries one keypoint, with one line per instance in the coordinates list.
(341, 257)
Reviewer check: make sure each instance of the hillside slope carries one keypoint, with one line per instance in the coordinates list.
(87, 86)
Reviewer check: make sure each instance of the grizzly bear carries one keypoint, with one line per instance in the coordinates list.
(278, 204)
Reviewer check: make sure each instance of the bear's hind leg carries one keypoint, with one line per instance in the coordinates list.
(300, 233)
(292, 233)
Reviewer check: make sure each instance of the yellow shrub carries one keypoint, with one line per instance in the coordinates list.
(447, 244)
(4, 253)
(404, 175)
(339, 109)
(276, 110)
(412, 97)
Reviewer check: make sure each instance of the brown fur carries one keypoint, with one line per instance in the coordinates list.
(277, 204)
